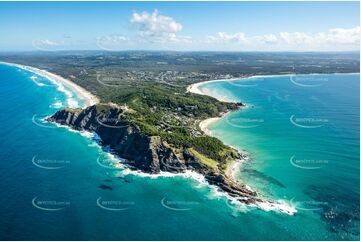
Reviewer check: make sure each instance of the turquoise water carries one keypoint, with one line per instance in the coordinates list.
(58, 184)
(302, 135)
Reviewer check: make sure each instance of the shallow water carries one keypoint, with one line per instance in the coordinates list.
(302, 134)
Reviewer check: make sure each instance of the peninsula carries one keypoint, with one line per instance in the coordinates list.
(144, 113)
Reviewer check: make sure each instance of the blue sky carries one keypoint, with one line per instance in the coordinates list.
(238, 26)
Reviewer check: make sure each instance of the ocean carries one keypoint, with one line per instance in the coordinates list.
(303, 146)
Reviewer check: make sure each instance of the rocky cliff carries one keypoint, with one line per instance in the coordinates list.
(147, 153)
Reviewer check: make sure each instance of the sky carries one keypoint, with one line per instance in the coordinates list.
(180, 26)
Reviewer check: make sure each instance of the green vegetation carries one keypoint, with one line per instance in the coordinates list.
(157, 111)
(152, 86)
(205, 160)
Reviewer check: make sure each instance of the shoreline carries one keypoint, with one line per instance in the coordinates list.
(278, 206)
(82, 94)
(194, 88)
(204, 124)
(234, 166)
(91, 99)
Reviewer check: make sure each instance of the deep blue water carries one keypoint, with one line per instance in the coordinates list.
(53, 187)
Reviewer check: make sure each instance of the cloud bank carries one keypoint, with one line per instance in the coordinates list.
(152, 30)
(336, 38)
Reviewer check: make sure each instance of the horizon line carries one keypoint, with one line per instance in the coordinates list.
(183, 51)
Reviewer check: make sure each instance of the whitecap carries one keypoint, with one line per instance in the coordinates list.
(278, 206)
(57, 105)
(34, 79)
(71, 101)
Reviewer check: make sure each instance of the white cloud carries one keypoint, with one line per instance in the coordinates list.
(113, 42)
(333, 39)
(222, 37)
(337, 36)
(340, 36)
(47, 45)
(267, 39)
(295, 38)
(241, 38)
(158, 28)
(46, 42)
(112, 39)
(155, 23)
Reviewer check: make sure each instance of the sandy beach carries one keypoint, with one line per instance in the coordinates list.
(81, 93)
(204, 124)
(194, 88)
(234, 166)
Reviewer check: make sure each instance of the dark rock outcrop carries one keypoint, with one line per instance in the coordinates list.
(147, 153)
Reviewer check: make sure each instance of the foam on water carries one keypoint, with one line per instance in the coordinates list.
(56, 104)
(71, 99)
(215, 192)
(271, 145)
(239, 221)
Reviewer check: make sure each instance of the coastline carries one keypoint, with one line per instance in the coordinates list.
(204, 124)
(233, 168)
(235, 165)
(90, 99)
(82, 94)
(194, 88)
